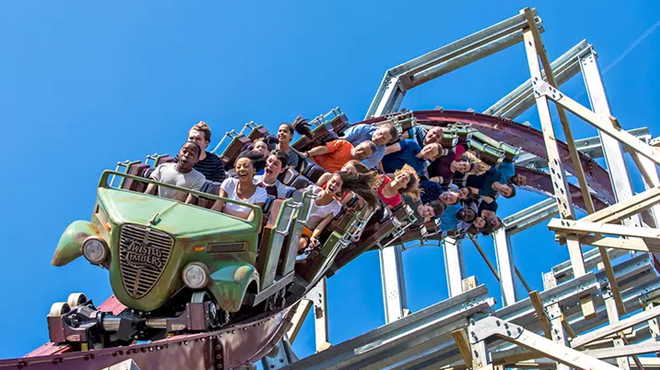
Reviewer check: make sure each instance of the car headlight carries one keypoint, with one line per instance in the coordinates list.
(95, 250)
(195, 275)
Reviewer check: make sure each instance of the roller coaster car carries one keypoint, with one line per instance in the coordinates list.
(509, 152)
(486, 152)
(177, 267)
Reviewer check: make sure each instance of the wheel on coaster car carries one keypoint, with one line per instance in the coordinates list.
(216, 317)
(76, 299)
(58, 309)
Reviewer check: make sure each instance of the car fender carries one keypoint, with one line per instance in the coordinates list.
(70, 245)
(229, 284)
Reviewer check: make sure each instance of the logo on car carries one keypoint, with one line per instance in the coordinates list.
(140, 254)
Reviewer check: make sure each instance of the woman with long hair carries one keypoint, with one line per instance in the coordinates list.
(355, 167)
(404, 181)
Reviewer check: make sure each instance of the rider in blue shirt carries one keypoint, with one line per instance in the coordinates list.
(380, 135)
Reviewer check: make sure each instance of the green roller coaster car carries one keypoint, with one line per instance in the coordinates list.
(154, 247)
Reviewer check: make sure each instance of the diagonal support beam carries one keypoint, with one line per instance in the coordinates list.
(493, 326)
(626, 208)
(592, 336)
(608, 125)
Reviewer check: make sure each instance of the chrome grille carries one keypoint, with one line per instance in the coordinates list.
(143, 255)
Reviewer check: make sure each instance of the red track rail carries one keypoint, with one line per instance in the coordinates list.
(246, 343)
(222, 349)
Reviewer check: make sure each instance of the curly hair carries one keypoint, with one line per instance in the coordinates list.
(258, 160)
(203, 128)
(361, 184)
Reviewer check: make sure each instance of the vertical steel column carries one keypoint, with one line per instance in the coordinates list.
(616, 165)
(394, 285)
(613, 317)
(505, 266)
(554, 315)
(318, 297)
(454, 267)
(652, 170)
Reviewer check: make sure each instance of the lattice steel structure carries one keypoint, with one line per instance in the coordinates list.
(576, 321)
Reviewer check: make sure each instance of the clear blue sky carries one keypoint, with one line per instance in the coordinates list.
(84, 85)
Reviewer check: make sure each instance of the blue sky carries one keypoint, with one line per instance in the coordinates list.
(86, 84)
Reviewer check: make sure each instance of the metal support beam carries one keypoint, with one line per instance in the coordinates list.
(522, 98)
(607, 125)
(613, 318)
(530, 216)
(302, 309)
(652, 171)
(318, 297)
(590, 146)
(394, 286)
(505, 266)
(613, 154)
(281, 356)
(399, 341)
(493, 326)
(587, 338)
(558, 332)
(398, 80)
(454, 266)
(536, 52)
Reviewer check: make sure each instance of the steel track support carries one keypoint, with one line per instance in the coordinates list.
(397, 81)
(533, 47)
(393, 281)
(454, 265)
(492, 326)
(505, 266)
(558, 332)
(281, 356)
(650, 181)
(611, 148)
(318, 297)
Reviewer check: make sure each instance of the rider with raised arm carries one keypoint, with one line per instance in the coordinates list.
(180, 173)
(380, 135)
(335, 154)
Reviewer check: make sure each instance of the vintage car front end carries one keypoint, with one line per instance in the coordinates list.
(163, 256)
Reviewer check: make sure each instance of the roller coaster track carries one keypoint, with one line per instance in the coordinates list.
(246, 342)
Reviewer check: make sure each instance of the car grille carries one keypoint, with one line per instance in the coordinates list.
(143, 255)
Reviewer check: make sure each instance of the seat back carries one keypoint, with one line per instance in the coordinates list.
(404, 213)
(137, 169)
(288, 176)
(312, 171)
(301, 182)
(340, 122)
(273, 235)
(161, 159)
(257, 132)
(234, 148)
(209, 187)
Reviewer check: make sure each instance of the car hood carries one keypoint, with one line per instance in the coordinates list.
(173, 217)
